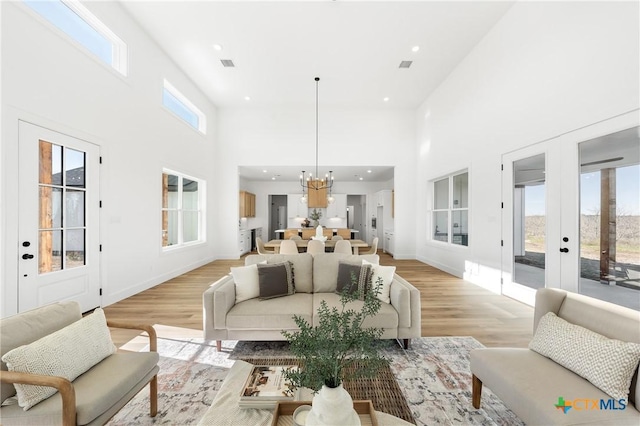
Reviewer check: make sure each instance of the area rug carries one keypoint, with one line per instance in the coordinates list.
(433, 375)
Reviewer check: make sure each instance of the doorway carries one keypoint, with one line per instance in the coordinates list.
(571, 214)
(59, 219)
(277, 214)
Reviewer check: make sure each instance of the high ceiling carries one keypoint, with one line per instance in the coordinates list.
(355, 47)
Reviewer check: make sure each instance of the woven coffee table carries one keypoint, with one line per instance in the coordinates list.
(224, 410)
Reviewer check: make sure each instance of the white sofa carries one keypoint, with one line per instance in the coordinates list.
(315, 278)
(531, 384)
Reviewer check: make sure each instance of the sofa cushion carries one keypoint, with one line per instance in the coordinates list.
(67, 353)
(325, 269)
(353, 279)
(273, 314)
(29, 326)
(381, 276)
(386, 318)
(247, 282)
(275, 280)
(530, 385)
(302, 267)
(97, 391)
(607, 363)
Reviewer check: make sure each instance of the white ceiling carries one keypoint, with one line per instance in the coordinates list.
(355, 47)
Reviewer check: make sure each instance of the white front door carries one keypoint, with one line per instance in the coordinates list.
(541, 214)
(59, 219)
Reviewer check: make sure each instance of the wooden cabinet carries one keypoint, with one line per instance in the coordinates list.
(317, 197)
(247, 206)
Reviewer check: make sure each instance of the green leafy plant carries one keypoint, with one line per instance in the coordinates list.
(315, 214)
(336, 343)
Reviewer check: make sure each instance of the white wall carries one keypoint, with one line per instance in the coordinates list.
(258, 137)
(50, 81)
(545, 69)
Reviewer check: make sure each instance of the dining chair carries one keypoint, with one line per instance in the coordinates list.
(373, 249)
(261, 248)
(295, 237)
(342, 246)
(337, 237)
(315, 247)
(288, 247)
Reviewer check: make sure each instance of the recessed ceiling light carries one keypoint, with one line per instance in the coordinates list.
(217, 47)
(264, 171)
(361, 178)
(368, 171)
(247, 98)
(273, 178)
(415, 48)
(386, 99)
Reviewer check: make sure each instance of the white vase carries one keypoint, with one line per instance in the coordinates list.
(331, 407)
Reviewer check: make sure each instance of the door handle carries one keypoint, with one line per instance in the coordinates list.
(564, 250)
(27, 256)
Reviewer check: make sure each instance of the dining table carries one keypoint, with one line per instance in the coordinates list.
(329, 244)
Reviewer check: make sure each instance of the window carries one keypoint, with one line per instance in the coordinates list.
(182, 209)
(450, 212)
(177, 103)
(77, 22)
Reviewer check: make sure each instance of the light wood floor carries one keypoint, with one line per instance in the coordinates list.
(450, 305)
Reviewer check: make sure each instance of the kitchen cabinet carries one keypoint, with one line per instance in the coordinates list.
(339, 206)
(384, 198)
(388, 246)
(296, 209)
(244, 241)
(317, 197)
(247, 207)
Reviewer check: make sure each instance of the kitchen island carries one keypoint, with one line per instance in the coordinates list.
(334, 231)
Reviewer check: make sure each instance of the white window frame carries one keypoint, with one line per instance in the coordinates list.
(202, 119)
(180, 210)
(450, 209)
(119, 49)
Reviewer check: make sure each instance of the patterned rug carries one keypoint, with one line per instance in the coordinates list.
(433, 375)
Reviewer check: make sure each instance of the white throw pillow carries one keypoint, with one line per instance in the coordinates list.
(609, 364)
(384, 273)
(67, 353)
(246, 280)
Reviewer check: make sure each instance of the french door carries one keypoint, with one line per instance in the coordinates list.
(59, 219)
(549, 203)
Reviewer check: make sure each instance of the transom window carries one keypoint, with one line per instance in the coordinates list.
(75, 20)
(450, 209)
(183, 108)
(182, 209)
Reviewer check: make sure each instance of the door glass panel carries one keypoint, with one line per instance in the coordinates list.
(529, 221)
(74, 163)
(49, 256)
(74, 212)
(50, 163)
(610, 218)
(74, 248)
(50, 207)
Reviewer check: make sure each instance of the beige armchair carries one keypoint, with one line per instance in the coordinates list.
(91, 398)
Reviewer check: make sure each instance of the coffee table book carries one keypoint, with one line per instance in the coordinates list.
(283, 413)
(266, 385)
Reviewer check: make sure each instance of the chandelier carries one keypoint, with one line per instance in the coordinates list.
(315, 183)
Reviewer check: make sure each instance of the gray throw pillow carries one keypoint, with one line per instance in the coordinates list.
(275, 280)
(354, 278)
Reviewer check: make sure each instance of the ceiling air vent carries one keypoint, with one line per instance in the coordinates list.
(227, 63)
(405, 64)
